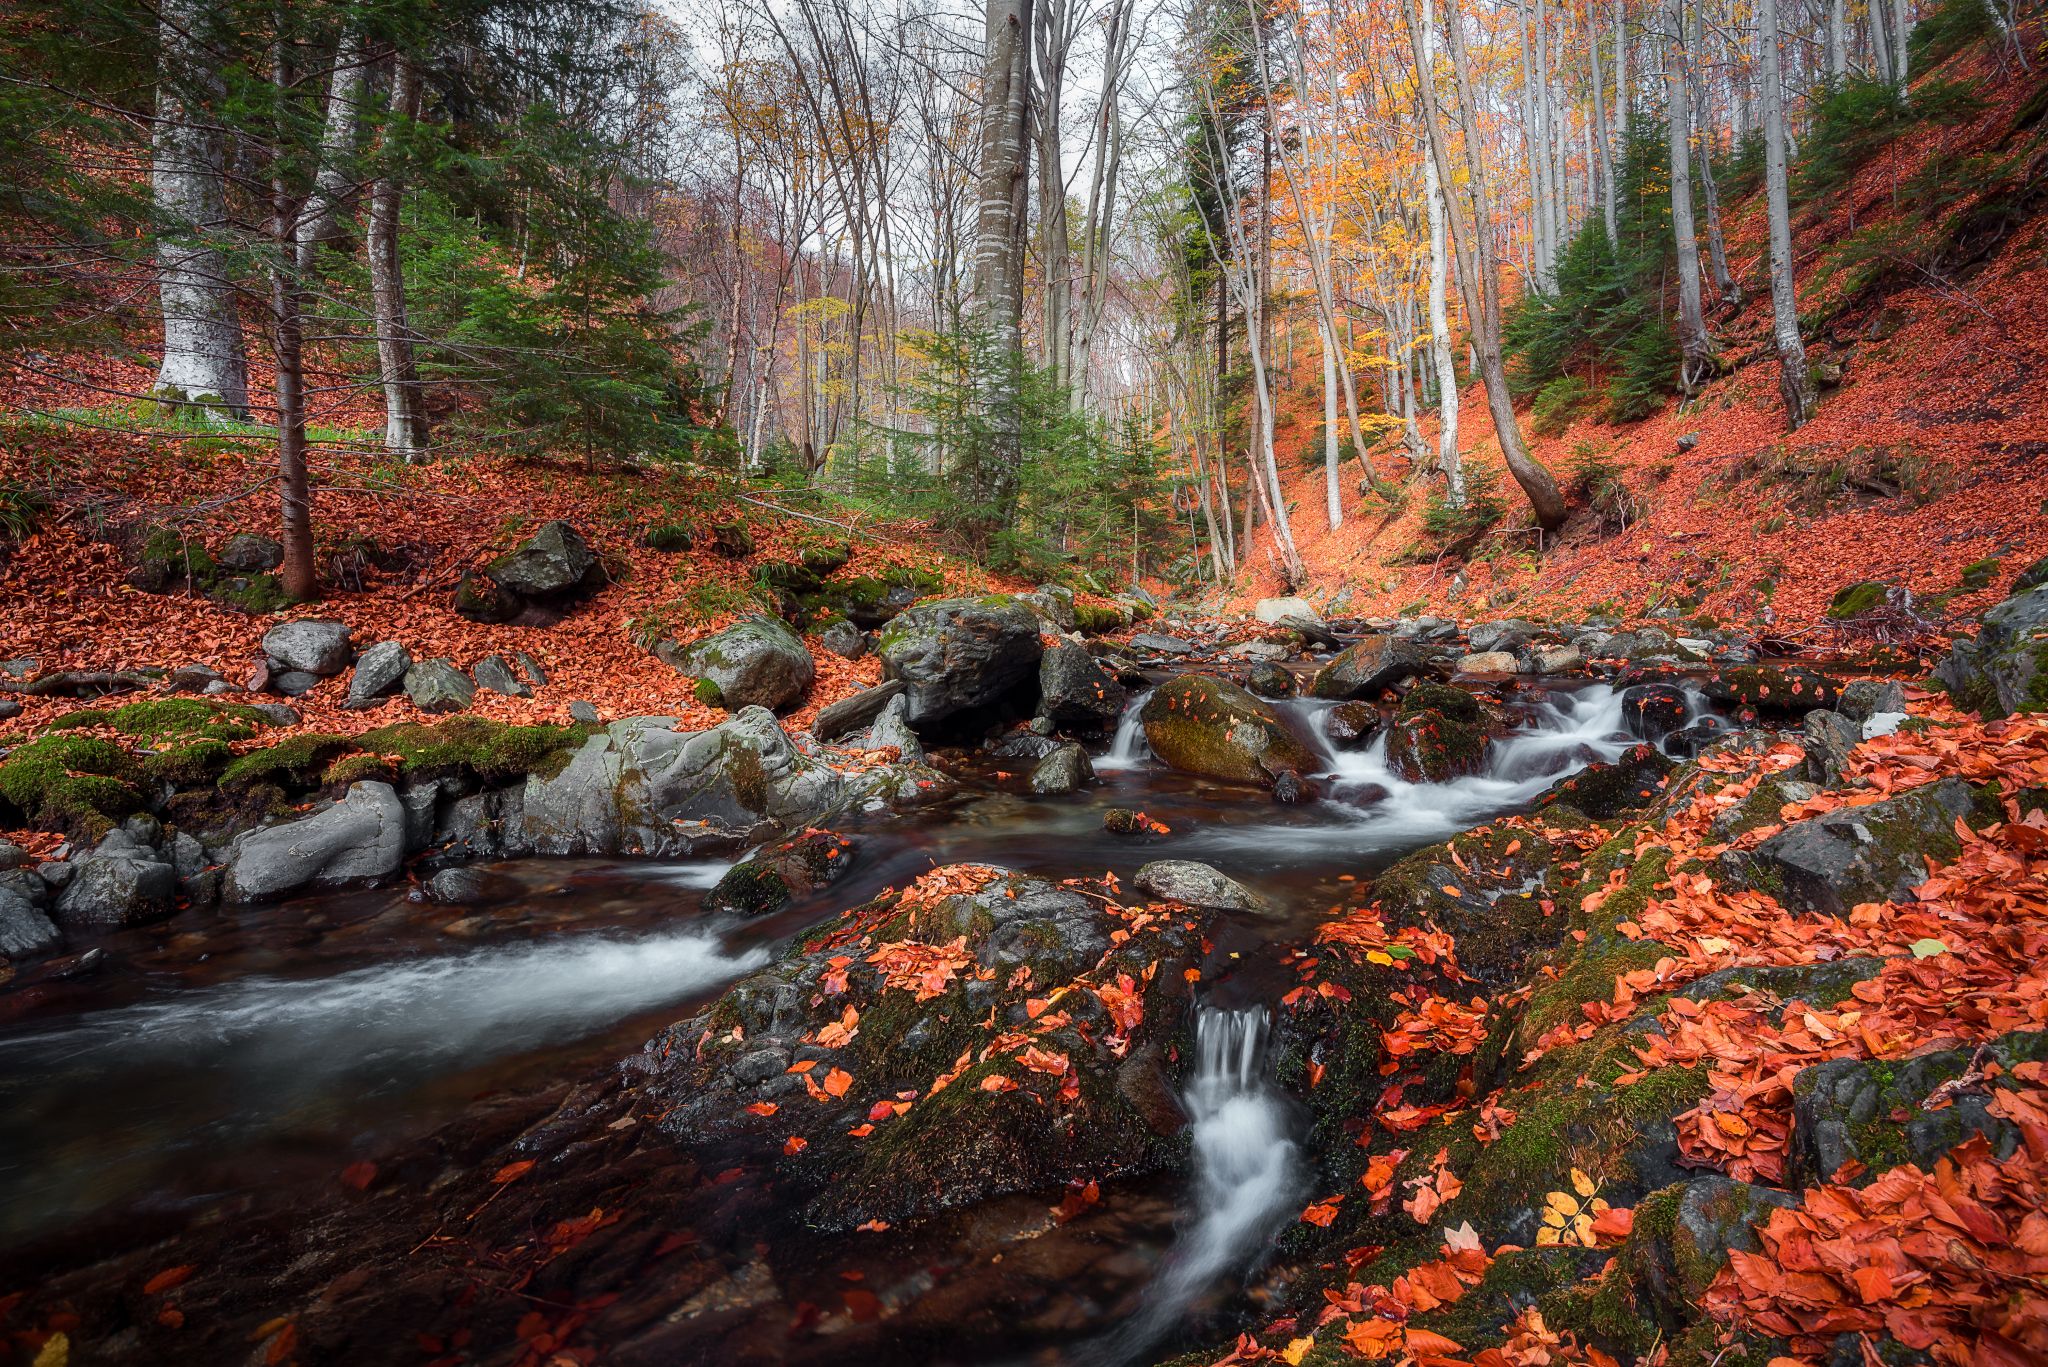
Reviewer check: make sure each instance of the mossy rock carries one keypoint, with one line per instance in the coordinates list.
(1853, 600)
(492, 751)
(1438, 733)
(71, 783)
(295, 764)
(1094, 619)
(1773, 691)
(168, 559)
(157, 721)
(1980, 574)
(258, 595)
(188, 766)
(1207, 726)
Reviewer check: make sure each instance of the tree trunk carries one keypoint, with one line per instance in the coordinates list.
(333, 181)
(1795, 384)
(1695, 348)
(1600, 133)
(205, 362)
(1003, 184)
(1838, 42)
(1439, 312)
(405, 428)
(1717, 246)
(297, 574)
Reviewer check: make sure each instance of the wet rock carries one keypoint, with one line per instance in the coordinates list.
(1863, 699)
(1509, 635)
(1312, 630)
(1693, 739)
(1290, 787)
(960, 655)
(2005, 669)
(294, 683)
(1762, 807)
(1026, 744)
(461, 886)
(1152, 643)
(1437, 734)
(25, 926)
(1065, 770)
(1715, 1215)
(1828, 738)
(379, 672)
(1652, 711)
(778, 873)
(891, 731)
(1365, 669)
(1270, 611)
(553, 562)
(1426, 629)
(1605, 791)
(1488, 662)
(757, 662)
(313, 647)
(249, 553)
(1771, 691)
(1073, 690)
(1874, 1113)
(851, 714)
(1644, 643)
(1269, 680)
(122, 882)
(1558, 660)
(1054, 603)
(1352, 725)
(479, 598)
(360, 838)
(1820, 984)
(1198, 885)
(495, 673)
(845, 640)
(1202, 725)
(438, 686)
(1124, 821)
(1833, 862)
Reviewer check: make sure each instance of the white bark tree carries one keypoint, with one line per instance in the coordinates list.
(1795, 382)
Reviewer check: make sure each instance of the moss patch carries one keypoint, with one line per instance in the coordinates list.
(161, 720)
(71, 783)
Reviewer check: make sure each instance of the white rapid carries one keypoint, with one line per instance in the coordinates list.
(1247, 1176)
(1127, 749)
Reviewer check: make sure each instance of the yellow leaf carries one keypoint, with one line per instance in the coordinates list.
(1583, 1184)
(1296, 1350)
(56, 1351)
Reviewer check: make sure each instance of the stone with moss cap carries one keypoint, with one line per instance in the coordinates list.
(71, 783)
(756, 662)
(1438, 733)
(961, 655)
(1203, 725)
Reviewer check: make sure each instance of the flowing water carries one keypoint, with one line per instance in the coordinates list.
(252, 1048)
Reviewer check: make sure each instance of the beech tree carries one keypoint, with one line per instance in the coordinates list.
(1795, 383)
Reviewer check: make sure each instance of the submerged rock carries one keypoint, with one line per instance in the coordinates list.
(1352, 725)
(1201, 725)
(1652, 711)
(777, 873)
(1065, 770)
(1073, 690)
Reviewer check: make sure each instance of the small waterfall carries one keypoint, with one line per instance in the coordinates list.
(1248, 1176)
(1127, 749)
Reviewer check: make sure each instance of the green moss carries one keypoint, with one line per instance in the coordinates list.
(1853, 600)
(1603, 1311)
(71, 783)
(708, 692)
(356, 768)
(491, 750)
(1979, 574)
(169, 559)
(294, 764)
(188, 766)
(1095, 620)
(259, 595)
(160, 720)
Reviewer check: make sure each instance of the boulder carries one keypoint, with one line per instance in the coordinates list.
(249, 553)
(1198, 885)
(1073, 690)
(1065, 770)
(1644, 643)
(756, 662)
(1771, 691)
(1269, 680)
(585, 713)
(25, 926)
(1488, 662)
(9, 709)
(2032, 577)
(1437, 734)
(2005, 669)
(1054, 603)
(461, 886)
(496, 673)
(1828, 738)
(360, 838)
(1652, 711)
(1558, 660)
(1270, 611)
(1311, 630)
(438, 686)
(122, 882)
(553, 563)
(1352, 725)
(1605, 791)
(293, 683)
(1863, 699)
(773, 877)
(1152, 643)
(1202, 725)
(1365, 669)
(1853, 600)
(848, 715)
(1509, 634)
(844, 639)
(379, 672)
(891, 731)
(961, 655)
(309, 646)
(479, 598)
(1877, 853)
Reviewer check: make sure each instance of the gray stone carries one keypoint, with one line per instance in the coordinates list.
(1198, 885)
(1311, 630)
(529, 668)
(1863, 699)
(1557, 660)
(21, 667)
(25, 928)
(1365, 669)
(1203, 725)
(219, 687)
(2005, 669)
(461, 886)
(1488, 662)
(960, 654)
(9, 709)
(1270, 611)
(1065, 770)
(1652, 711)
(1829, 737)
(495, 673)
(851, 714)
(1508, 634)
(1644, 643)
(13, 856)
(1351, 725)
(757, 662)
(1716, 1215)
(891, 731)
(1269, 680)
(311, 646)
(278, 714)
(1877, 853)
(361, 837)
(1073, 690)
(584, 712)
(294, 683)
(250, 553)
(379, 672)
(438, 686)
(192, 678)
(553, 563)
(56, 872)
(1053, 602)
(845, 640)
(1152, 643)
(120, 883)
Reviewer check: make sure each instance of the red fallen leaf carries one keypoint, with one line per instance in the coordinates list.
(512, 1172)
(168, 1278)
(882, 1110)
(795, 1145)
(861, 1131)
(864, 1306)
(837, 1081)
(282, 1344)
(1080, 1196)
(998, 1082)
(1614, 1224)
(872, 1226)
(763, 1107)
(359, 1175)
(1323, 1213)
(171, 1317)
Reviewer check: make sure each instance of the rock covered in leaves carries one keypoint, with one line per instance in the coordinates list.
(1438, 733)
(1207, 726)
(1652, 711)
(756, 662)
(1771, 691)
(977, 1034)
(962, 655)
(1833, 862)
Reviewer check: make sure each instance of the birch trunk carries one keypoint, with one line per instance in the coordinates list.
(1003, 183)
(397, 367)
(1725, 287)
(1439, 313)
(333, 181)
(1696, 349)
(295, 499)
(205, 362)
(1795, 384)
